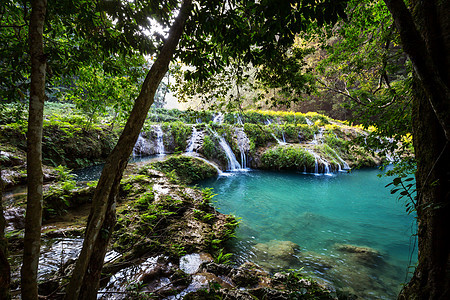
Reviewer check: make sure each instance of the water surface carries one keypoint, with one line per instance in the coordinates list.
(322, 215)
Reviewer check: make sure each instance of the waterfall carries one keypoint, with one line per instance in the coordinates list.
(308, 121)
(344, 163)
(142, 146)
(233, 164)
(318, 137)
(317, 159)
(243, 143)
(159, 140)
(192, 154)
(218, 118)
(192, 140)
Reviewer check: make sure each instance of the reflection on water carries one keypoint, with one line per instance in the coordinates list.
(346, 229)
(93, 172)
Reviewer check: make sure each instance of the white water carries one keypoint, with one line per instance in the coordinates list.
(344, 163)
(233, 164)
(159, 140)
(318, 137)
(308, 121)
(244, 146)
(317, 159)
(218, 118)
(142, 146)
(192, 140)
(278, 140)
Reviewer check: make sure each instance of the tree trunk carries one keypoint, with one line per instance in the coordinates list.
(33, 219)
(87, 270)
(5, 270)
(425, 34)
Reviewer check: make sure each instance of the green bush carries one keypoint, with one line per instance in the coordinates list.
(287, 157)
(186, 169)
(260, 135)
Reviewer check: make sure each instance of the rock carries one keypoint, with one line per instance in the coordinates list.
(278, 249)
(15, 218)
(191, 263)
(365, 255)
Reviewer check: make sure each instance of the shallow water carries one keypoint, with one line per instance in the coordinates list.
(318, 213)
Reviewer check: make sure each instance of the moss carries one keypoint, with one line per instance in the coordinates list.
(186, 169)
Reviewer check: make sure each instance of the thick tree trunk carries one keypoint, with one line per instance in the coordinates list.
(5, 270)
(425, 33)
(87, 271)
(33, 219)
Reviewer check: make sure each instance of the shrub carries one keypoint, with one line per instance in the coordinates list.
(287, 157)
(185, 169)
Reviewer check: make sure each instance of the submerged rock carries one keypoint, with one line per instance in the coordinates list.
(278, 249)
(365, 255)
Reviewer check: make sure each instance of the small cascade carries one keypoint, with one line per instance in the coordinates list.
(244, 146)
(142, 146)
(192, 141)
(317, 159)
(344, 163)
(318, 137)
(159, 140)
(193, 154)
(308, 121)
(233, 164)
(239, 120)
(284, 139)
(218, 118)
(280, 142)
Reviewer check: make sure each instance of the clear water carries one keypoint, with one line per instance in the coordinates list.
(318, 213)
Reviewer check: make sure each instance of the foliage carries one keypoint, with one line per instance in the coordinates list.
(258, 135)
(405, 187)
(222, 258)
(93, 91)
(287, 157)
(180, 133)
(186, 169)
(364, 62)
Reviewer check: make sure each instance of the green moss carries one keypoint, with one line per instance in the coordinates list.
(186, 169)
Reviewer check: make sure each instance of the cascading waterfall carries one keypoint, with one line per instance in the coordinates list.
(218, 118)
(233, 164)
(308, 121)
(141, 147)
(318, 137)
(159, 140)
(344, 163)
(244, 145)
(317, 160)
(192, 140)
(280, 142)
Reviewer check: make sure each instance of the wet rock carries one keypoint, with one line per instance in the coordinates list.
(191, 263)
(15, 218)
(365, 255)
(48, 287)
(247, 275)
(219, 269)
(278, 249)
(9, 159)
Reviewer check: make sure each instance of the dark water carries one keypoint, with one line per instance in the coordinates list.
(93, 172)
(319, 213)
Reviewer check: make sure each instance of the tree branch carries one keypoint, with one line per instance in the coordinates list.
(438, 93)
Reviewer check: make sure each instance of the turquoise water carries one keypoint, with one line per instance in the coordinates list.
(292, 221)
